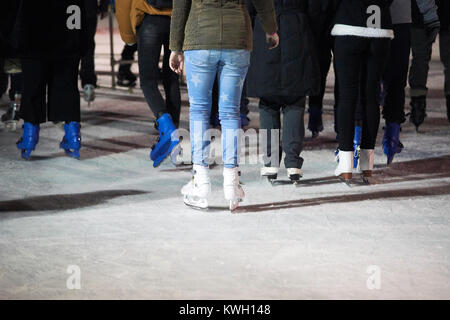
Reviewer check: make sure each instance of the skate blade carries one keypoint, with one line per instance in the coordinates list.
(346, 182)
(233, 205)
(11, 125)
(73, 154)
(195, 203)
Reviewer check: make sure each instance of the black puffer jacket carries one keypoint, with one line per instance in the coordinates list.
(8, 13)
(42, 32)
(291, 69)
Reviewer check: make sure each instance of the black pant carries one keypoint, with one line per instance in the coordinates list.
(87, 71)
(355, 56)
(293, 130)
(3, 78)
(396, 75)
(128, 54)
(56, 79)
(153, 33)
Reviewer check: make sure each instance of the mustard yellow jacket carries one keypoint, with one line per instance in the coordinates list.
(130, 13)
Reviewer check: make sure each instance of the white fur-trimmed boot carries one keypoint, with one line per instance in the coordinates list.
(198, 189)
(345, 167)
(232, 188)
(366, 162)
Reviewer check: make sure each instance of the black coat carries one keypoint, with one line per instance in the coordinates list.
(354, 12)
(291, 69)
(8, 12)
(444, 14)
(42, 32)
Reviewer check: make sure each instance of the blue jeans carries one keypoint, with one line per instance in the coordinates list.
(231, 67)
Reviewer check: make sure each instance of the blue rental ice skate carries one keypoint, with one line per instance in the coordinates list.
(29, 140)
(356, 145)
(315, 124)
(391, 141)
(167, 140)
(71, 142)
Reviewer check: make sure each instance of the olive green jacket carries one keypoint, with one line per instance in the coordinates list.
(217, 24)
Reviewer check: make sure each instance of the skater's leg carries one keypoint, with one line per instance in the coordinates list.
(293, 131)
(87, 70)
(151, 38)
(34, 101)
(376, 63)
(269, 120)
(171, 85)
(232, 72)
(444, 46)
(421, 56)
(396, 74)
(348, 59)
(3, 78)
(201, 69)
(63, 94)
(125, 77)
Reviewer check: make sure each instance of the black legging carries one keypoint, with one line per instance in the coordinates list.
(154, 33)
(359, 63)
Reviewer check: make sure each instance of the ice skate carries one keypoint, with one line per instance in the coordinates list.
(356, 145)
(89, 93)
(231, 187)
(198, 189)
(295, 174)
(270, 173)
(126, 78)
(71, 143)
(391, 141)
(29, 140)
(418, 111)
(167, 141)
(366, 164)
(345, 166)
(315, 124)
(11, 117)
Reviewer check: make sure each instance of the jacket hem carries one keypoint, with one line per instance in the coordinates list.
(347, 30)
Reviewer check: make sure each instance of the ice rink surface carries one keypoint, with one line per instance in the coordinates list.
(124, 226)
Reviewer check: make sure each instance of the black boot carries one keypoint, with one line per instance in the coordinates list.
(418, 110)
(126, 78)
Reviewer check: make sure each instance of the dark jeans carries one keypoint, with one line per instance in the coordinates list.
(444, 47)
(353, 57)
(50, 90)
(3, 78)
(87, 70)
(395, 77)
(293, 130)
(154, 33)
(16, 85)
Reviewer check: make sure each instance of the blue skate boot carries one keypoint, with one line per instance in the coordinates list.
(71, 142)
(29, 140)
(315, 124)
(357, 145)
(167, 140)
(391, 141)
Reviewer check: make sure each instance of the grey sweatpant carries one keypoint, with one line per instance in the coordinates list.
(293, 130)
(421, 56)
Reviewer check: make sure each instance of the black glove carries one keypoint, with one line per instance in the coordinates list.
(432, 28)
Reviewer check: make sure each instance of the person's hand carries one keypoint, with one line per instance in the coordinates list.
(176, 62)
(273, 40)
(432, 28)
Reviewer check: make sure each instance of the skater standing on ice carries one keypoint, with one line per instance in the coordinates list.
(215, 38)
(87, 70)
(428, 22)
(147, 23)
(50, 40)
(281, 78)
(395, 77)
(363, 33)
